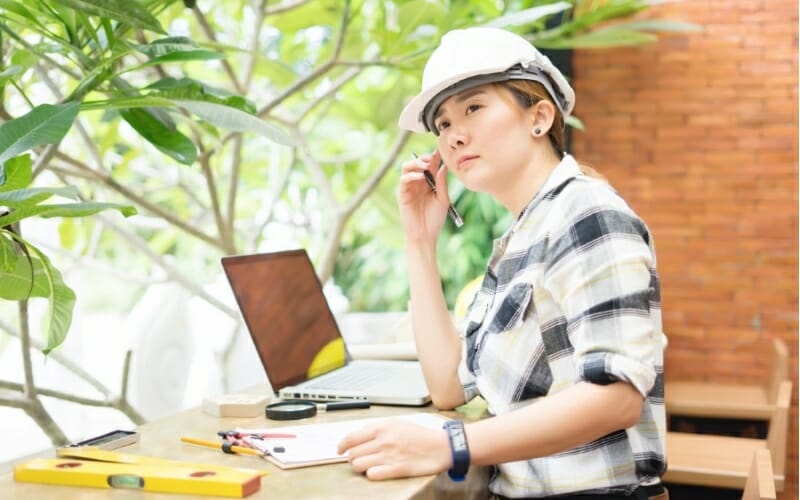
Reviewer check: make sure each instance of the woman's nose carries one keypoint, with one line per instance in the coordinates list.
(458, 137)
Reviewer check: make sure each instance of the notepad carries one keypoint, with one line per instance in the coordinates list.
(315, 444)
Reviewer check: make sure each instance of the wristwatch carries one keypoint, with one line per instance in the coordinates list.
(459, 448)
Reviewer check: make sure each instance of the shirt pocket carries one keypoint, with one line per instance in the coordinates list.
(513, 310)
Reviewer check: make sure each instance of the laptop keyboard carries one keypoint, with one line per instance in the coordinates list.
(356, 378)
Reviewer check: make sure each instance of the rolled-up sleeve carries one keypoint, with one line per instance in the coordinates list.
(600, 272)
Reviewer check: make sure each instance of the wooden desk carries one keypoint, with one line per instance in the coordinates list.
(161, 439)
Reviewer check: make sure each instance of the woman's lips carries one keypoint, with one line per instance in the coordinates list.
(464, 159)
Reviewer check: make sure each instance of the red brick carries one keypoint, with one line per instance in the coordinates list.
(705, 148)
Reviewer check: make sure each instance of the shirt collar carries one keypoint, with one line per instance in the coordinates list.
(566, 169)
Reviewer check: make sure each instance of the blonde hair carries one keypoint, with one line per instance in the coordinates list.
(527, 93)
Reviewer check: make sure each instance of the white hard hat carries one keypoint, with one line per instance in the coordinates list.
(470, 57)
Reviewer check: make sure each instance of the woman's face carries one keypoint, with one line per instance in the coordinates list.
(484, 137)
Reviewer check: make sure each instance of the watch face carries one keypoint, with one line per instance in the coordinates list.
(458, 439)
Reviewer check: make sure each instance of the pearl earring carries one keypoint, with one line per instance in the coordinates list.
(537, 131)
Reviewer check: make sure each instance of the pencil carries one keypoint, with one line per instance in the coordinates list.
(219, 446)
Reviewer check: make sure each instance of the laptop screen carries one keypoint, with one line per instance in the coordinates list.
(289, 320)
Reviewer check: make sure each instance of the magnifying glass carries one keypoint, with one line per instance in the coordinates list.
(295, 409)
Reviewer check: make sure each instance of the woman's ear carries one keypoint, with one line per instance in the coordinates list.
(542, 115)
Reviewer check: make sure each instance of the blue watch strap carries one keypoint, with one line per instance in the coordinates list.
(459, 449)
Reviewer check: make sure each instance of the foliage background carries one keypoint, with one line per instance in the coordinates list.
(332, 74)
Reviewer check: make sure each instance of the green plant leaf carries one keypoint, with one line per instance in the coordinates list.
(16, 173)
(44, 124)
(64, 210)
(24, 197)
(529, 16)
(659, 25)
(187, 55)
(166, 45)
(10, 71)
(15, 280)
(61, 302)
(20, 10)
(125, 11)
(599, 39)
(235, 120)
(168, 140)
(127, 102)
(193, 90)
(574, 122)
(8, 258)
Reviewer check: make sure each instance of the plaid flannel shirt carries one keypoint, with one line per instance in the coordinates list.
(571, 294)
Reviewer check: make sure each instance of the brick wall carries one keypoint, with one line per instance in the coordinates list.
(699, 133)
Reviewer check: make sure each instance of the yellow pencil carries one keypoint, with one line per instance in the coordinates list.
(219, 446)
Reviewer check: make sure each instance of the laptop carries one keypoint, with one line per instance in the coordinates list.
(299, 343)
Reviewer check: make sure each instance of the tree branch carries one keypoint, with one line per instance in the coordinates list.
(43, 159)
(16, 402)
(233, 187)
(109, 181)
(284, 6)
(254, 44)
(138, 243)
(332, 248)
(323, 184)
(338, 84)
(121, 404)
(45, 57)
(317, 72)
(369, 186)
(211, 185)
(201, 18)
(274, 196)
(43, 419)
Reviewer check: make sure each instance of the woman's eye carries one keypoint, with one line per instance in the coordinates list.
(473, 107)
(442, 125)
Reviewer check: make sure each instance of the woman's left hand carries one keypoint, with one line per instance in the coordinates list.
(393, 448)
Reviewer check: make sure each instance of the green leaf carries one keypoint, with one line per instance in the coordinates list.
(187, 55)
(659, 25)
(599, 39)
(15, 280)
(235, 120)
(125, 11)
(168, 140)
(33, 196)
(193, 90)
(44, 124)
(166, 45)
(529, 16)
(20, 10)
(61, 302)
(574, 122)
(64, 210)
(127, 102)
(68, 233)
(16, 173)
(9, 72)
(8, 256)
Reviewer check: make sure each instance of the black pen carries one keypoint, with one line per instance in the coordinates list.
(451, 210)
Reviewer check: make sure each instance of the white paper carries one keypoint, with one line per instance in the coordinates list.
(318, 442)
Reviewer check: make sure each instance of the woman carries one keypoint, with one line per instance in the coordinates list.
(564, 338)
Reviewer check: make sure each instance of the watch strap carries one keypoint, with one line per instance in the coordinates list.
(459, 448)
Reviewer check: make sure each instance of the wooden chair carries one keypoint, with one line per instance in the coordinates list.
(724, 461)
(715, 400)
(760, 483)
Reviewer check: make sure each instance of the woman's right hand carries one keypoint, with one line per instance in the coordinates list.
(422, 212)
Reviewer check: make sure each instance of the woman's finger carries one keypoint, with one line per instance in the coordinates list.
(363, 463)
(356, 438)
(385, 471)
